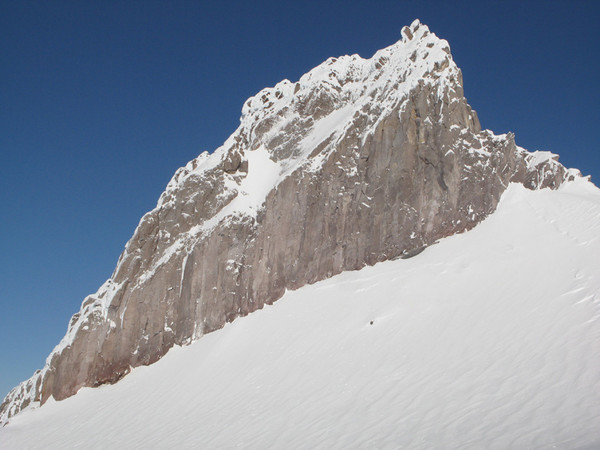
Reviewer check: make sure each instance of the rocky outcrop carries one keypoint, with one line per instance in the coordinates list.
(362, 160)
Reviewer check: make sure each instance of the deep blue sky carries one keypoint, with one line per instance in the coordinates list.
(100, 102)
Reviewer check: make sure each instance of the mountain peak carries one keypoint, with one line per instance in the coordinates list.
(359, 161)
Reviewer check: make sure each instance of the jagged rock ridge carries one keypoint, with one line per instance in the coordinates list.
(360, 161)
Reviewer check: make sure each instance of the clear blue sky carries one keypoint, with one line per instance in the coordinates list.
(100, 102)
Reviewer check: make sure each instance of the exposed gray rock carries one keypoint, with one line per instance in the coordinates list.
(360, 161)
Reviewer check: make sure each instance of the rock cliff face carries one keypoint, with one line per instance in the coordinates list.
(360, 161)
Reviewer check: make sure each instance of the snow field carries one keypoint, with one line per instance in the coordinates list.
(489, 339)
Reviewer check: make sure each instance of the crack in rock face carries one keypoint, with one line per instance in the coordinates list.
(360, 161)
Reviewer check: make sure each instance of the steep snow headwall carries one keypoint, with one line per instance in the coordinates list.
(360, 161)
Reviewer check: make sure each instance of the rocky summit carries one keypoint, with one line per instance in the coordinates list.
(360, 161)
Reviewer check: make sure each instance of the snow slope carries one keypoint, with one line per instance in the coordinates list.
(487, 339)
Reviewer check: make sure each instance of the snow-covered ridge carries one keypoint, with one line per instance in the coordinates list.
(389, 75)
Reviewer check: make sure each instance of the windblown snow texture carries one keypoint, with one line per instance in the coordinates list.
(360, 161)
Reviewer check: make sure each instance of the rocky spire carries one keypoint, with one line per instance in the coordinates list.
(360, 161)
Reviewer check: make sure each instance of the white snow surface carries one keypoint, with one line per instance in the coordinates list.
(489, 339)
(539, 157)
